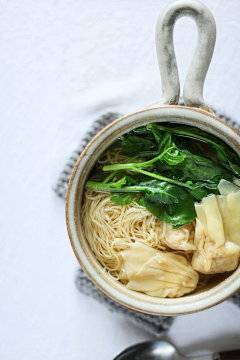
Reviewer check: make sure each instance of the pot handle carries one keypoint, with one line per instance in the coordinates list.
(193, 87)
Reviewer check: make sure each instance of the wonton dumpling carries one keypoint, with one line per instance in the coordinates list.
(179, 239)
(157, 273)
(215, 261)
(217, 234)
(136, 257)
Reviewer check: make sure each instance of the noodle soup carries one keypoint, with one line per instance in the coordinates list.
(161, 210)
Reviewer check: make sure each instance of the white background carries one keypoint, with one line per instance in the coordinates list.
(62, 64)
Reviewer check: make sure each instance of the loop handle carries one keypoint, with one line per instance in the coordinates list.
(193, 88)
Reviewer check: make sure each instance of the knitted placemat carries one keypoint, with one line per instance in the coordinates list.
(156, 325)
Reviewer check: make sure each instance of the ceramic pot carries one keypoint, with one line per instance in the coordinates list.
(195, 113)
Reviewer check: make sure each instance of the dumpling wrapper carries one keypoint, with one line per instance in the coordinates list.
(119, 266)
(201, 216)
(216, 261)
(178, 239)
(165, 274)
(136, 257)
(214, 220)
(199, 237)
(170, 292)
(230, 209)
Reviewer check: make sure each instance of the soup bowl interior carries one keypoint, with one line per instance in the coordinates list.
(218, 288)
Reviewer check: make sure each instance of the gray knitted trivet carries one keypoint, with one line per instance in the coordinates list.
(156, 325)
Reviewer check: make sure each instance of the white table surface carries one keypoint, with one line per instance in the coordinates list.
(64, 63)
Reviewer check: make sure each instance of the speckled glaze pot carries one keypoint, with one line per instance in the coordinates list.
(195, 113)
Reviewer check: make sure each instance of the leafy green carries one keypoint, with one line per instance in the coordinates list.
(227, 157)
(153, 174)
(202, 189)
(170, 203)
(133, 145)
(119, 184)
(174, 156)
(192, 168)
(169, 153)
(97, 175)
(122, 198)
(98, 186)
(116, 144)
(174, 173)
(141, 130)
(195, 168)
(130, 179)
(157, 133)
(141, 200)
(201, 168)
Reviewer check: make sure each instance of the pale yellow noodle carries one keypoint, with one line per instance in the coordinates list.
(113, 156)
(111, 228)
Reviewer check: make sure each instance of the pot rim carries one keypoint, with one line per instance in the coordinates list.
(168, 307)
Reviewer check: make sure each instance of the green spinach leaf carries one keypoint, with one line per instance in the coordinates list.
(170, 203)
(122, 198)
(141, 130)
(226, 156)
(174, 156)
(157, 133)
(133, 145)
(141, 200)
(177, 173)
(97, 175)
(195, 168)
(130, 179)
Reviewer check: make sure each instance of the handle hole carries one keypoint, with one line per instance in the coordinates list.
(184, 40)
